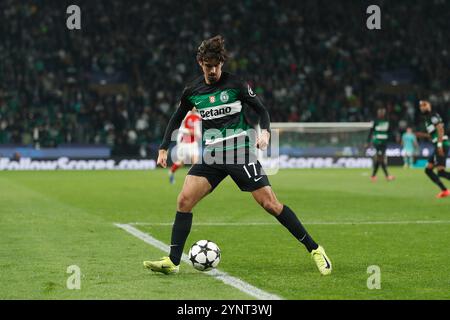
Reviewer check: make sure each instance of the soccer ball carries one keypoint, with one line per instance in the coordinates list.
(204, 255)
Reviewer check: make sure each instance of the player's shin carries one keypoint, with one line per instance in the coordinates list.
(180, 231)
(288, 219)
(375, 167)
(384, 167)
(430, 173)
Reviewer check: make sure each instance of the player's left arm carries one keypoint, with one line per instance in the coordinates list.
(252, 100)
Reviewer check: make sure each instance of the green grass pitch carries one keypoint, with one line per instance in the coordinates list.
(51, 220)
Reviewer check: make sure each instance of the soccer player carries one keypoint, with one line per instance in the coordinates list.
(220, 97)
(435, 132)
(409, 144)
(187, 146)
(378, 137)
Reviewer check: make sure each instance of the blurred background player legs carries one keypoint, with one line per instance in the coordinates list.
(409, 144)
(187, 153)
(378, 136)
(408, 158)
(172, 170)
(380, 159)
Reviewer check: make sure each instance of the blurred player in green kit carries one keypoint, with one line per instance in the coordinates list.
(378, 138)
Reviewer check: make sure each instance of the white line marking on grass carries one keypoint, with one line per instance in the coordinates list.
(205, 223)
(237, 224)
(220, 275)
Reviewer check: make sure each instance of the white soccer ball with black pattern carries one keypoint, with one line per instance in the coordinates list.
(204, 255)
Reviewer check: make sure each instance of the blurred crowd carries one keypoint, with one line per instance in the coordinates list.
(118, 79)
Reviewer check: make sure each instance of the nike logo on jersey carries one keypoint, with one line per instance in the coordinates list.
(256, 180)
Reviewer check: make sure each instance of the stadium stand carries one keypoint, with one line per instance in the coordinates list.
(117, 80)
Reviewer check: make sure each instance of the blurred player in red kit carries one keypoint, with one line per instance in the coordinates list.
(187, 143)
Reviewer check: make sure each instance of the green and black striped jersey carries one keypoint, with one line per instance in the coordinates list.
(379, 132)
(221, 107)
(431, 121)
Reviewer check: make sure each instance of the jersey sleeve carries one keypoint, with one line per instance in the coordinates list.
(247, 96)
(177, 118)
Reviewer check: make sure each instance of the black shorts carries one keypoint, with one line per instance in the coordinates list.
(248, 173)
(438, 160)
(380, 150)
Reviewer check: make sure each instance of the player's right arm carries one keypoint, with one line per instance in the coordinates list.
(174, 123)
(423, 135)
(247, 96)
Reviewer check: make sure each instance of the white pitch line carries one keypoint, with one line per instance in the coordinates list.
(237, 224)
(220, 275)
(205, 223)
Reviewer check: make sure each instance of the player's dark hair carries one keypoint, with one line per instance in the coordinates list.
(212, 49)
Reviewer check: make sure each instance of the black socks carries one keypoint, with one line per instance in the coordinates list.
(376, 166)
(375, 169)
(430, 173)
(180, 232)
(384, 167)
(288, 219)
(183, 222)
